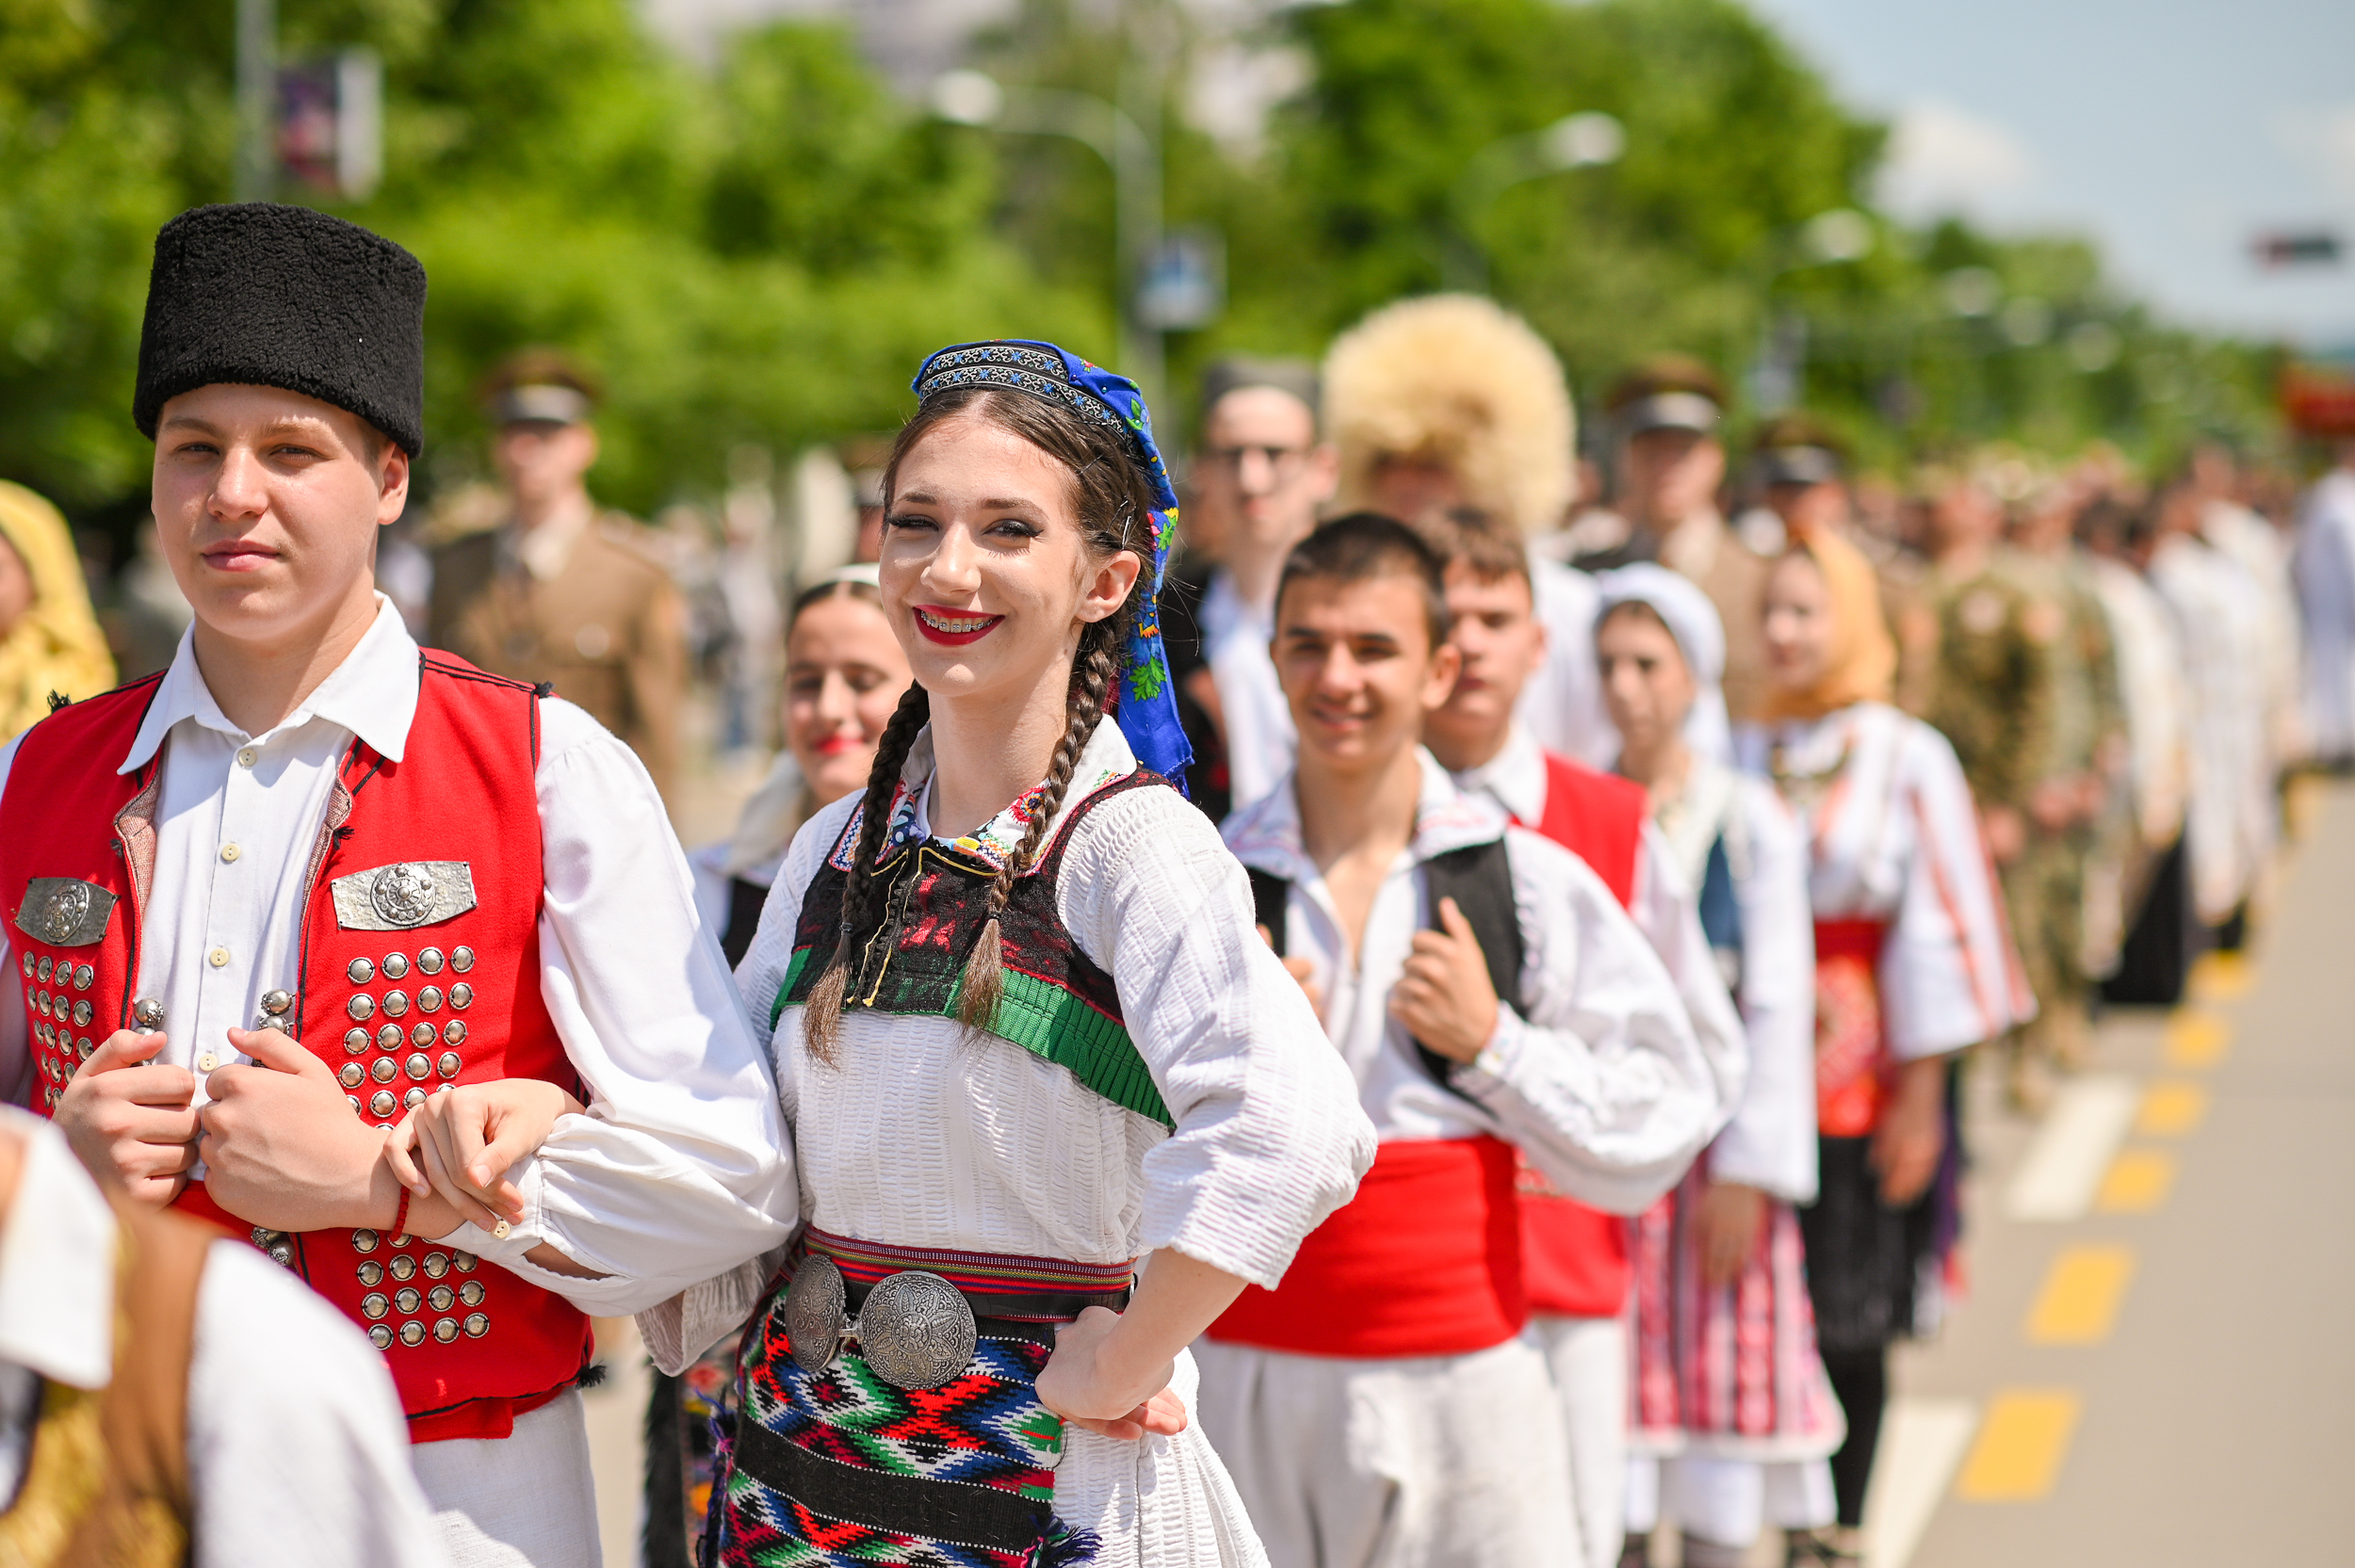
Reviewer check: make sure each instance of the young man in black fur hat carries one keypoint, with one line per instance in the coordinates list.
(313, 882)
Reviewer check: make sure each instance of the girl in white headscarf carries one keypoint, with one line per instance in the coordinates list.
(1732, 1417)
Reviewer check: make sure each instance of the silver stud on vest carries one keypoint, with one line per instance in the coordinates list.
(84, 977)
(396, 1003)
(148, 1013)
(371, 1274)
(462, 996)
(478, 1324)
(388, 1037)
(396, 965)
(454, 1032)
(429, 959)
(362, 1006)
(359, 971)
(381, 1336)
(355, 1041)
(429, 999)
(413, 1333)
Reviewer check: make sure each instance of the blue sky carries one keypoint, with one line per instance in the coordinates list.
(2168, 131)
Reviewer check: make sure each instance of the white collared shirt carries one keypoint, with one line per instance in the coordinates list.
(1254, 717)
(1603, 1084)
(681, 1168)
(297, 1450)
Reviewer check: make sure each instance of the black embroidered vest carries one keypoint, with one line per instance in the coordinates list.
(1057, 1004)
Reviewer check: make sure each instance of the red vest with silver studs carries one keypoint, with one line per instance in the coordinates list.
(420, 968)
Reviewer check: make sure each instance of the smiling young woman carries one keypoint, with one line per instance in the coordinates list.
(1024, 1035)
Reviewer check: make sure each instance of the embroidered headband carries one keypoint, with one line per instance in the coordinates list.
(1144, 700)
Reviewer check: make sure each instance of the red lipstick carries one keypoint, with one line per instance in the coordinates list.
(953, 628)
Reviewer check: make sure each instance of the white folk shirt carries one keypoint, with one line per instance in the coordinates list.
(297, 1451)
(1662, 907)
(1562, 704)
(1893, 837)
(1603, 1084)
(1254, 717)
(680, 1168)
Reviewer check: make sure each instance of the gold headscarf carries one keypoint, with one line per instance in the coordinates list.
(56, 645)
(1863, 657)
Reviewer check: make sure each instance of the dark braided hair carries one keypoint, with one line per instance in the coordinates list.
(1114, 499)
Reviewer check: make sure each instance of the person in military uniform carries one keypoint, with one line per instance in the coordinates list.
(563, 590)
(1992, 695)
(1672, 463)
(2078, 787)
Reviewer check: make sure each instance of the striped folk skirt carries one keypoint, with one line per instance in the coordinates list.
(1730, 1372)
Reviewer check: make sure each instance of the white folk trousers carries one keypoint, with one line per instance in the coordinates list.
(521, 1501)
(1588, 1357)
(1439, 1461)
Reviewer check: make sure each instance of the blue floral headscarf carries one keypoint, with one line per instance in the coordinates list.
(1144, 702)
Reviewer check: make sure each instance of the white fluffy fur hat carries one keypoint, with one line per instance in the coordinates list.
(1455, 379)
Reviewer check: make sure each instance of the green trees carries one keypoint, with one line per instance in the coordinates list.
(760, 253)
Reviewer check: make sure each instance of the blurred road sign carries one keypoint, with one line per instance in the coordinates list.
(2306, 247)
(331, 122)
(1184, 286)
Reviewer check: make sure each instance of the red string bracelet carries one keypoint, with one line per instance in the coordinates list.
(400, 1215)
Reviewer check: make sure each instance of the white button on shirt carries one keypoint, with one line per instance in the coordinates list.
(681, 1169)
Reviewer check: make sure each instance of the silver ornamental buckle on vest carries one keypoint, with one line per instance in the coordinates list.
(406, 894)
(64, 911)
(915, 1328)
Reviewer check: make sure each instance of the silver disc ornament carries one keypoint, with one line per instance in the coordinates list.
(813, 1313)
(915, 1329)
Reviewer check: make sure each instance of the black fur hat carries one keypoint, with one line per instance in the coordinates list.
(278, 295)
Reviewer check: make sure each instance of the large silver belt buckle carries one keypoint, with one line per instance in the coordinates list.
(915, 1328)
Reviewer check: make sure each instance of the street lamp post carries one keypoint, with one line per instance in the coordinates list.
(1587, 140)
(256, 177)
(971, 98)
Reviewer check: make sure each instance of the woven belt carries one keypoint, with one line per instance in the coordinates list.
(916, 1313)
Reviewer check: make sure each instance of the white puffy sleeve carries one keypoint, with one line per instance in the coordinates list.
(1604, 1083)
(682, 1167)
(1770, 1143)
(1949, 975)
(1666, 912)
(1270, 1138)
(679, 1330)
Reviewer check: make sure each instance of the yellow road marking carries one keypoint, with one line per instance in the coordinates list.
(2171, 1108)
(2221, 976)
(2082, 1293)
(2197, 1039)
(2139, 1182)
(2021, 1446)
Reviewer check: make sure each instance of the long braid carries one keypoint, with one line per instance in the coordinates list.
(984, 980)
(821, 1019)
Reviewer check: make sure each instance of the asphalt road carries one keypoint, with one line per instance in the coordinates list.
(2156, 1365)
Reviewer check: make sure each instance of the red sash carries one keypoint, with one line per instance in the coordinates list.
(1851, 1053)
(1425, 1261)
(1574, 1259)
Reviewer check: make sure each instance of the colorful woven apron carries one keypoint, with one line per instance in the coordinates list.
(841, 1466)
